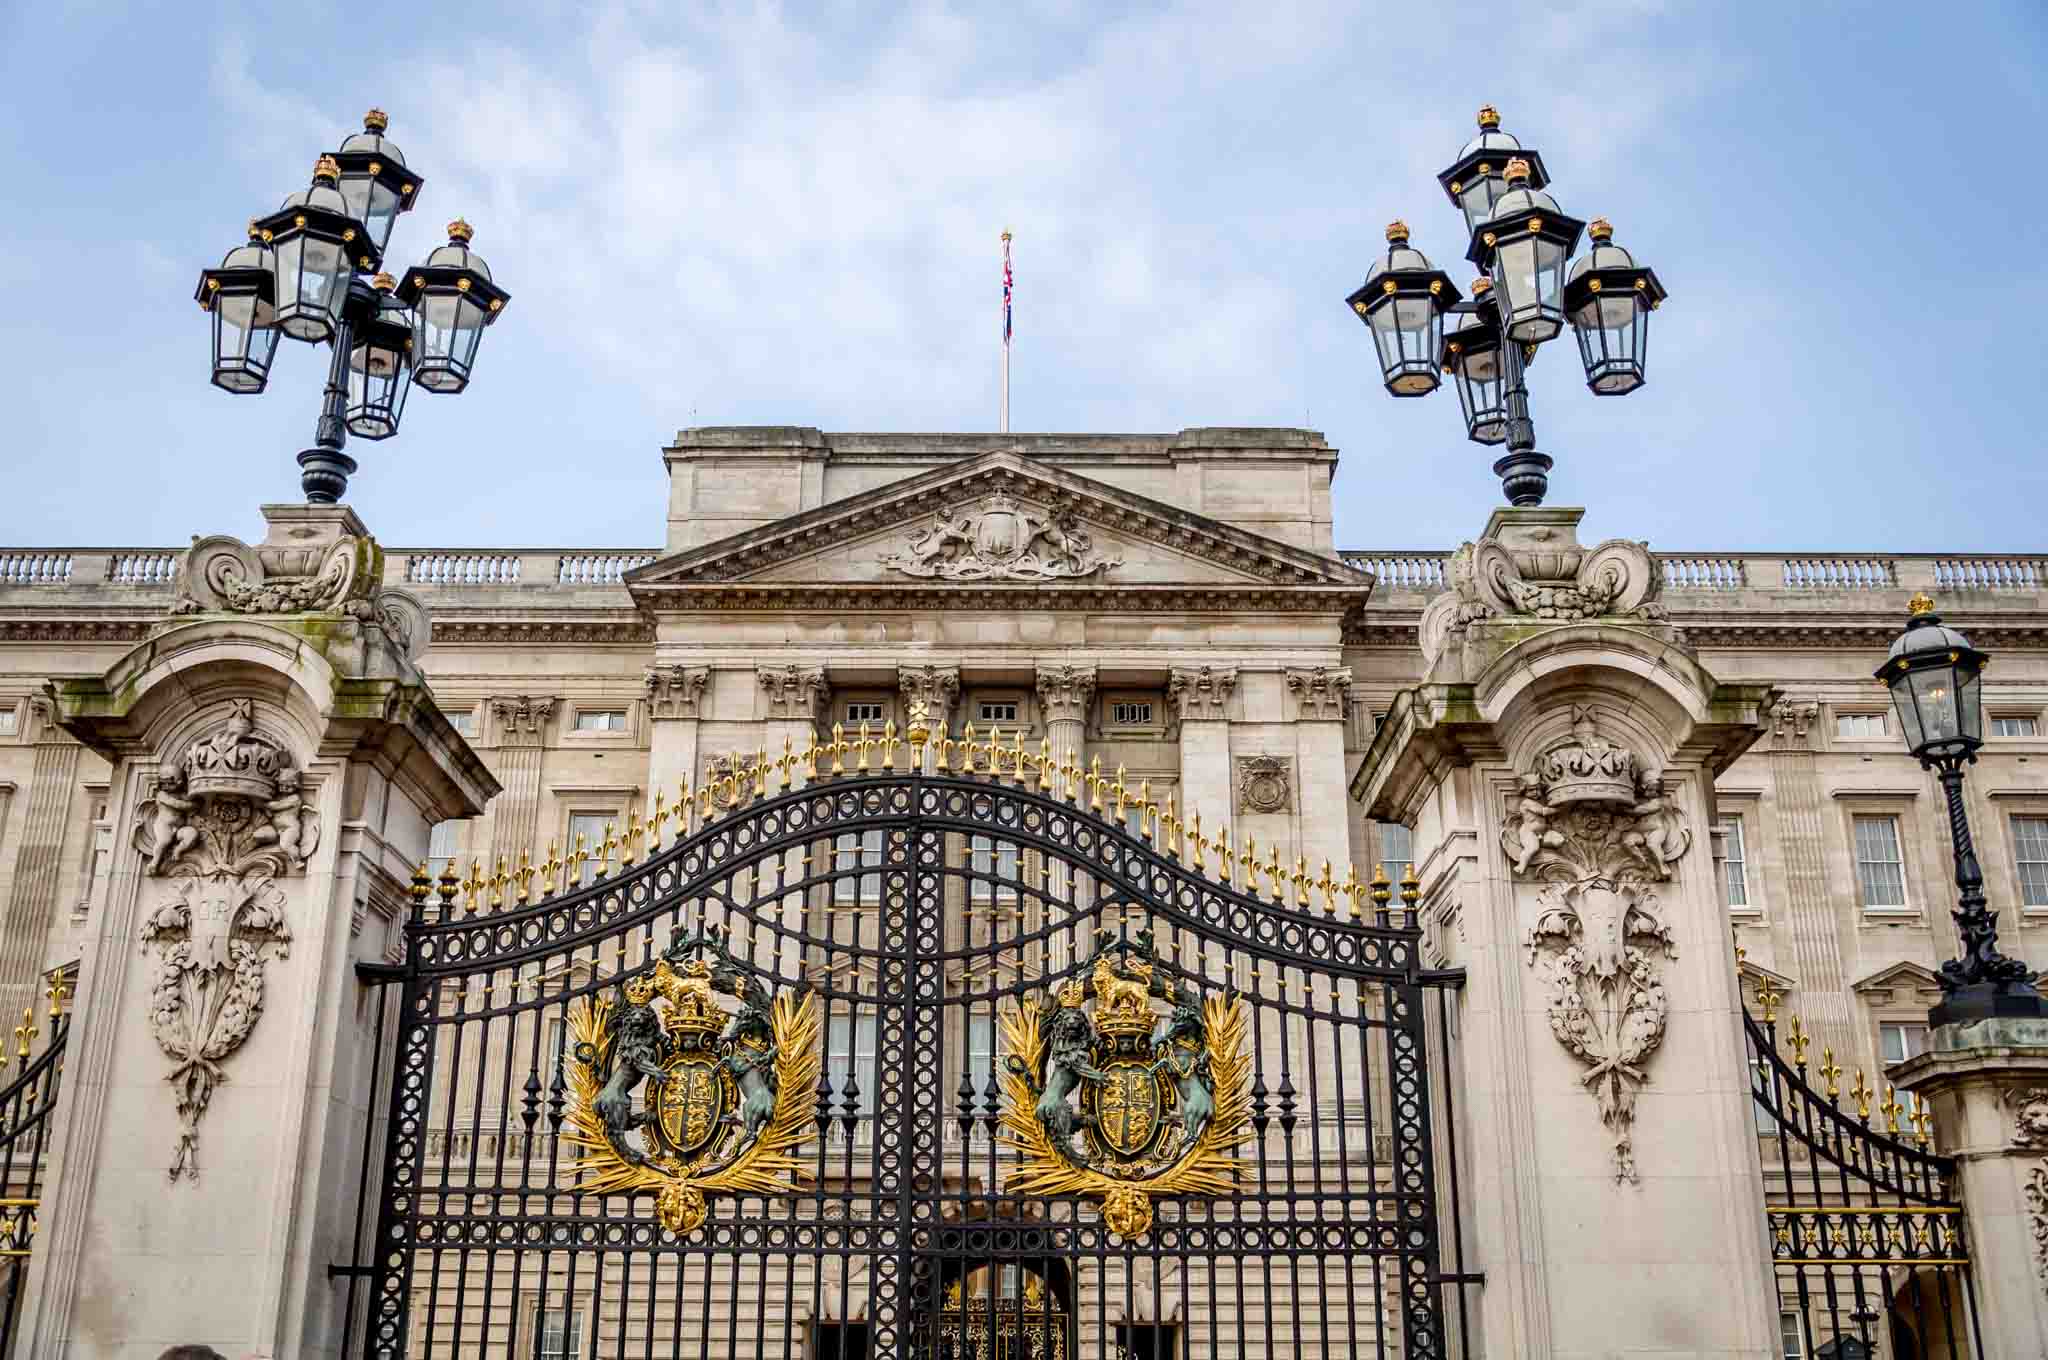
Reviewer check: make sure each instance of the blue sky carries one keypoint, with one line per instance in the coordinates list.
(739, 214)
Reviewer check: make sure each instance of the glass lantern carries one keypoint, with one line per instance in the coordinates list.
(318, 248)
(1935, 676)
(1477, 180)
(1402, 302)
(1609, 300)
(1524, 248)
(380, 366)
(238, 295)
(452, 300)
(375, 184)
(1474, 358)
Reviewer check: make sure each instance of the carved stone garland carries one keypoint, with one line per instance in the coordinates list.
(225, 821)
(1597, 832)
(2029, 1105)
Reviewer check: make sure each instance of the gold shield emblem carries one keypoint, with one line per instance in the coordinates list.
(695, 1095)
(1126, 1108)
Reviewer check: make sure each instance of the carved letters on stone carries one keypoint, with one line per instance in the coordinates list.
(1201, 693)
(225, 820)
(1597, 834)
(1265, 784)
(1065, 692)
(1002, 540)
(676, 691)
(1319, 692)
(796, 692)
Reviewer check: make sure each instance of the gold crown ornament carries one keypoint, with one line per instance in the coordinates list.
(1489, 117)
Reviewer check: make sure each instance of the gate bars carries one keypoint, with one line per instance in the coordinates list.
(1867, 1231)
(25, 1105)
(919, 910)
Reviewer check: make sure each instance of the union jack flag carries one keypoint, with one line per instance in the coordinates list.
(1006, 288)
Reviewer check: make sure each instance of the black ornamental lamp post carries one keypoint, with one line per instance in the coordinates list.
(1528, 289)
(313, 271)
(1934, 676)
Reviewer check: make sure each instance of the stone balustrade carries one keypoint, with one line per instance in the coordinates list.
(1406, 577)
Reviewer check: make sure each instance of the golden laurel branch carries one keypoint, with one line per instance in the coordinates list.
(766, 1166)
(1210, 1167)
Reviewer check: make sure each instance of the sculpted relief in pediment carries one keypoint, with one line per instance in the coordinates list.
(998, 539)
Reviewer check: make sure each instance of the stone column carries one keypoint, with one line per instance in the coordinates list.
(675, 707)
(1320, 695)
(522, 723)
(1987, 1086)
(1065, 694)
(1561, 753)
(1201, 698)
(39, 863)
(272, 773)
(794, 700)
(938, 689)
(1810, 917)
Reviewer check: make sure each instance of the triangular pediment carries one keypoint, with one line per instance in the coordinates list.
(1900, 982)
(999, 522)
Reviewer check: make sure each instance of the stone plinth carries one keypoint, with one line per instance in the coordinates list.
(1987, 1088)
(277, 761)
(1557, 767)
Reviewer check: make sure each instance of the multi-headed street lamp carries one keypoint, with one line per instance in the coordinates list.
(1529, 287)
(312, 271)
(1934, 676)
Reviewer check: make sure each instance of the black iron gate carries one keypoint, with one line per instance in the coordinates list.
(996, 1060)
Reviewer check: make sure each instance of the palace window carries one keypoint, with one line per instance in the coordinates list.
(2030, 849)
(1131, 713)
(992, 866)
(1760, 1079)
(854, 851)
(850, 1058)
(1736, 866)
(865, 711)
(10, 721)
(996, 711)
(2015, 727)
(600, 720)
(558, 1333)
(586, 829)
(444, 843)
(1860, 726)
(1900, 1040)
(1791, 1337)
(463, 721)
(1880, 869)
(1396, 849)
(981, 1051)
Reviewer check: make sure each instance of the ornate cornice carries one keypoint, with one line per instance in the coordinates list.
(1174, 599)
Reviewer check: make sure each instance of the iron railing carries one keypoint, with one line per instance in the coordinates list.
(25, 1106)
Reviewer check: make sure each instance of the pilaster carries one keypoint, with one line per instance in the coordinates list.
(39, 863)
(676, 698)
(1065, 695)
(1202, 698)
(1810, 916)
(938, 689)
(522, 723)
(1321, 697)
(793, 702)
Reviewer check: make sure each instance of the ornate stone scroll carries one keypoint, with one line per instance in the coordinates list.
(1541, 572)
(727, 1094)
(1202, 692)
(1002, 540)
(1596, 831)
(1126, 1104)
(330, 571)
(225, 820)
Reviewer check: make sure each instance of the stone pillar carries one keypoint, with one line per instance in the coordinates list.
(1810, 916)
(1201, 697)
(39, 863)
(794, 700)
(675, 707)
(1987, 1087)
(1320, 695)
(274, 776)
(938, 689)
(522, 723)
(1064, 695)
(1561, 753)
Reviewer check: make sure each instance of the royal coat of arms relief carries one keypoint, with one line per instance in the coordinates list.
(1148, 1095)
(1002, 540)
(673, 1093)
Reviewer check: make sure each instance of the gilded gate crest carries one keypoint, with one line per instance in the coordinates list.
(727, 1094)
(1127, 1103)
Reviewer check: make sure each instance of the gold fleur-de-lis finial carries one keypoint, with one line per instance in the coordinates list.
(1831, 1074)
(1861, 1094)
(1768, 997)
(1891, 1109)
(57, 993)
(26, 1031)
(1800, 1039)
(523, 877)
(1354, 892)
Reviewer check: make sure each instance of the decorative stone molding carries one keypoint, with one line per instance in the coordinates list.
(318, 559)
(2036, 1191)
(1265, 784)
(2029, 1106)
(1596, 832)
(1201, 693)
(729, 777)
(1319, 692)
(522, 718)
(1065, 693)
(795, 692)
(936, 687)
(1792, 724)
(676, 691)
(225, 820)
(1001, 539)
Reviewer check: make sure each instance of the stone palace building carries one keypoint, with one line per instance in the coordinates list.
(1171, 610)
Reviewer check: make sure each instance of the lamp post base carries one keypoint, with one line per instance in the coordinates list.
(324, 474)
(1974, 1002)
(1524, 476)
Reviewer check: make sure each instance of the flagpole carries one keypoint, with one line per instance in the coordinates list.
(1006, 332)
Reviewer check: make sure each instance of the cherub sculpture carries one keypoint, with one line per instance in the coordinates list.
(170, 833)
(1531, 831)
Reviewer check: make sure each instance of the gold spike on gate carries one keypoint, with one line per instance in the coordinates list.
(1276, 887)
(1169, 825)
(657, 821)
(447, 885)
(1227, 866)
(1830, 1073)
(523, 877)
(577, 857)
(786, 764)
(889, 745)
(861, 747)
(1411, 895)
(1382, 893)
(422, 886)
(1047, 767)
